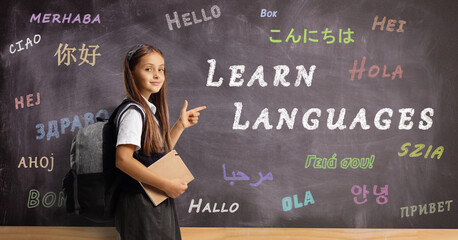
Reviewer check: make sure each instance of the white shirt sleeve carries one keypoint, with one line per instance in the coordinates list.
(130, 128)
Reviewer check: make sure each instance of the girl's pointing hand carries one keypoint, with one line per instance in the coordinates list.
(191, 117)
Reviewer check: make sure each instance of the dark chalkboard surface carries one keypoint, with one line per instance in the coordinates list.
(298, 133)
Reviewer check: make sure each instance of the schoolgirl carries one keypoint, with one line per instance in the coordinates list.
(142, 142)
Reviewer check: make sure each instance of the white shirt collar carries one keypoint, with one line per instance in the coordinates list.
(153, 108)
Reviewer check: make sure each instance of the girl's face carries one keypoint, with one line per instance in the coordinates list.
(149, 74)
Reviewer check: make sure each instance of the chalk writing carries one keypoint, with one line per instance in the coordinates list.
(28, 42)
(29, 101)
(374, 70)
(314, 36)
(66, 54)
(310, 122)
(381, 198)
(389, 26)
(321, 163)
(428, 208)
(48, 200)
(215, 12)
(66, 18)
(269, 14)
(281, 71)
(33, 162)
(418, 153)
(331, 163)
(287, 202)
(240, 176)
(64, 123)
(208, 207)
(354, 163)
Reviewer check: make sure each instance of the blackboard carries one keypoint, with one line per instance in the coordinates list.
(264, 153)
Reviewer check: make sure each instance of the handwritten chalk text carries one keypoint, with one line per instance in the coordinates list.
(28, 42)
(66, 54)
(381, 198)
(66, 18)
(390, 24)
(215, 12)
(33, 162)
(64, 123)
(314, 36)
(269, 14)
(241, 176)
(48, 200)
(281, 71)
(331, 163)
(30, 102)
(287, 202)
(374, 71)
(208, 207)
(417, 152)
(429, 208)
(310, 122)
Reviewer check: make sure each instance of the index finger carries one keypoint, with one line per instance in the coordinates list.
(197, 109)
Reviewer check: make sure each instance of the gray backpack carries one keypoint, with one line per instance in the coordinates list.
(91, 185)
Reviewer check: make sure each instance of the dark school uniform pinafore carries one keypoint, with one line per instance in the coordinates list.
(136, 217)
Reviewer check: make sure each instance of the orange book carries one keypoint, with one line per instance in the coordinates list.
(169, 166)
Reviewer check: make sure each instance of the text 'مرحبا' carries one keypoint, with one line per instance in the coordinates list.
(241, 176)
(333, 162)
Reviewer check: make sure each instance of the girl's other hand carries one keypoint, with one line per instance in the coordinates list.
(175, 188)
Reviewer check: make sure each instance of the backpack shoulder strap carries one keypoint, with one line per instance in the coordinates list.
(115, 117)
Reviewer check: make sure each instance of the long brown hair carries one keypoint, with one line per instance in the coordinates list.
(155, 139)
